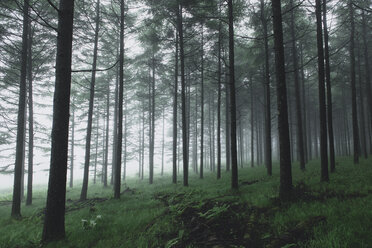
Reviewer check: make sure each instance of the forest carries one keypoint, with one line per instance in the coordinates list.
(185, 123)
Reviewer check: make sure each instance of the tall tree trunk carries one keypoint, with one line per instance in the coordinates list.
(227, 120)
(322, 101)
(202, 110)
(107, 136)
(283, 129)
(54, 221)
(353, 87)
(125, 136)
(367, 69)
(252, 124)
(268, 148)
(162, 144)
(119, 146)
(96, 148)
(234, 155)
(304, 111)
(300, 135)
(175, 109)
(152, 122)
(219, 102)
(30, 121)
(84, 190)
(17, 188)
(115, 126)
(183, 99)
(72, 158)
(363, 140)
(329, 92)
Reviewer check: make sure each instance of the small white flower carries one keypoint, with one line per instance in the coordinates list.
(99, 217)
(93, 223)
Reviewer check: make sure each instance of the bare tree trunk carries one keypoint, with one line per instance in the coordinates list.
(283, 129)
(322, 101)
(17, 188)
(353, 87)
(117, 181)
(54, 221)
(183, 99)
(30, 121)
(202, 110)
(84, 190)
(175, 109)
(234, 155)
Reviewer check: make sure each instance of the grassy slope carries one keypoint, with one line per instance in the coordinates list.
(143, 219)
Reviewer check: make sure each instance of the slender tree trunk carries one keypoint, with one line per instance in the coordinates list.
(219, 102)
(367, 69)
(322, 101)
(363, 140)
(54, 221)
(72, 144)
(227, 120)
(17, 188)
(234, 155)
(202, 110)
(162, 144)
(283, 129)
(84, 190)
(252, 124)
(329, 92)
(175, 109)
(300, 136)
(30, 121)
(96, 149)
(353, 87)
(115, 127)
(268, 148)
(107, 136)
(125, 136)
(304, 111)
(183, 99)
(117, 181)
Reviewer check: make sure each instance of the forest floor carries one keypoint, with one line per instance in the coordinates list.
(209, 214)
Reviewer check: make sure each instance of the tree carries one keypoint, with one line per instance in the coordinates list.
(234, 155)
(119, 145)
(353, 85)
(54, 222)
(16, 203)
(322, 106)
(285, 189)
(84, 189)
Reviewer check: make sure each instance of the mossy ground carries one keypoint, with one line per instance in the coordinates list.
(209, 214)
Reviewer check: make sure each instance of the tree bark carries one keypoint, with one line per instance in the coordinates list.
(353, 86)
(30, 121)
(285, 189)
(234, 158)
(175, 109)
(183, 99)
(119, 146)
(300, 135)
(202, 110)
(84, 190)
(17, 188)
(329, 92)
(54, 221)
(322, 105)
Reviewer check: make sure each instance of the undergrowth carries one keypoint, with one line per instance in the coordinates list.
(209, 214)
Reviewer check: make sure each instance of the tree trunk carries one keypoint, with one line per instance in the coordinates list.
(72, 145)
(268, 148)
(54, 221)
(252, 124)
(84, 190)
(353, 87)
(17, 188)
(329, 92)
(234, 155)
(363, 139)
(300, 135)
(30, 121)
(107, 136)
(202, 110)
(175, 109)
(227, 128)
(283, 129)
(322, 105)
(117, 181)
(183, 99)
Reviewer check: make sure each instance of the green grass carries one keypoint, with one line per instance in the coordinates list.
(141, 219)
